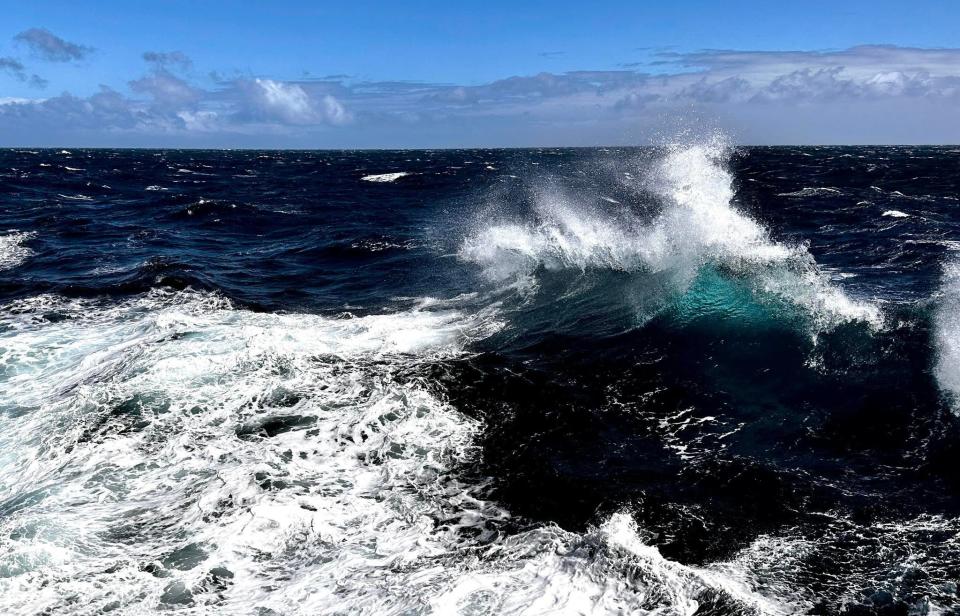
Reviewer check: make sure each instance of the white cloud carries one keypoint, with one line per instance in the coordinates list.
(266, 100)
(15, 100)
(334, 111)
(286, 102)
(201, 121)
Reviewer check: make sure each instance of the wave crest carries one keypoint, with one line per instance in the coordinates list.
(696, 225)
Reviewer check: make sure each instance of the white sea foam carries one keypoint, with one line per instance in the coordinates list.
(12, 250)
(697, 225)
(895, 214)
(608, 570)
(385, 177)
(172, 451)
(129, 433)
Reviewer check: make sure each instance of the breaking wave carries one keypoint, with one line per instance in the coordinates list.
(696, 226)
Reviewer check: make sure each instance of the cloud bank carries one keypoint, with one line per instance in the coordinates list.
(865, 94)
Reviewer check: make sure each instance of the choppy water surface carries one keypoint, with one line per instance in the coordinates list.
(681, 380)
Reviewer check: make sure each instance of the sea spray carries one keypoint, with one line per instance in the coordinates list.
(697, 225)
(946, 328)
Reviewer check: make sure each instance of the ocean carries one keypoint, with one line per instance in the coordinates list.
(688, 379)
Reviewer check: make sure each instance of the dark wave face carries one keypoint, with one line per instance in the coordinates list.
(680, 380)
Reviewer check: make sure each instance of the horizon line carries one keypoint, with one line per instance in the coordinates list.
(475, 148)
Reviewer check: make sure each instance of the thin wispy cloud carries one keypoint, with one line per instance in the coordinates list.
(168, 59)
(15, 68)
(48, 46)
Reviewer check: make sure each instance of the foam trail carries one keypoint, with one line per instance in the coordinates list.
(697, 225)
(174, 452)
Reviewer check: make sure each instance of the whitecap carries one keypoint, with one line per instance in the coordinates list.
(192, 172)
(385, 177)
(12, 250)
(896, 214)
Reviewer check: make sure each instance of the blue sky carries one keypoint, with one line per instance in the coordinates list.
(432, 74)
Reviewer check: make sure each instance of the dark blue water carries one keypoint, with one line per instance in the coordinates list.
(690, 379)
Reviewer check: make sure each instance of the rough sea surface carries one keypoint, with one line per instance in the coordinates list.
(682, 380)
